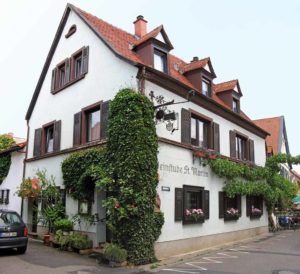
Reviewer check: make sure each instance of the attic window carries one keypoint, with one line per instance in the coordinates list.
(160, 60)
(206, 87)
(71, 31)
(235, 105)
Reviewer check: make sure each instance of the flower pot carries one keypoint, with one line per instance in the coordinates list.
(200, 154)
(46, 239)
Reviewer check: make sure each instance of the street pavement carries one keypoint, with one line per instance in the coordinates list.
(277, 253)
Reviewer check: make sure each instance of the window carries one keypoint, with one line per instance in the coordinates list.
(47, 139)
(229, 208)
(4, 196)
(240, 148)
(235, 105)
(70, 70)
(254, 206)
(93, 125)
(206, 87)
(160, 61)
(49, 136)
(199, 132)
(191, 204)
(61, 75)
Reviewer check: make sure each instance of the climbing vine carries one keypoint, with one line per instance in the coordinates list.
(254, 180)
(5, 159)
(79, 171)
(131, 166)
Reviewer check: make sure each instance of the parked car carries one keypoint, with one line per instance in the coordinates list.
(13, 231)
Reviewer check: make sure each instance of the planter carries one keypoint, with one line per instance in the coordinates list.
(213, 156)
(228, 217)
(115, 264)
(191, 220)
(255, 215)
(46, 239)
(200, 154)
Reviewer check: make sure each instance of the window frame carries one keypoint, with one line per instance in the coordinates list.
(235, 105)
(84, 116)
(45, 129)
(206, 81)
(241, 147)
(194, 189)
(164, 57)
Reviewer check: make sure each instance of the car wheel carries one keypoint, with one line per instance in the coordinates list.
(21, 250)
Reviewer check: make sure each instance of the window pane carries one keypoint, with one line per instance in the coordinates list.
(201, 133)
(49, 139)
(193, 128)
(234, 106)
(160, 61)
(205, 88)
(62, 76)
(93, 125)
(193, 200)
(78, 66)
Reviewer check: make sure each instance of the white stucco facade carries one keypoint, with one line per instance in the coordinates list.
(13, 180)
(107, 74)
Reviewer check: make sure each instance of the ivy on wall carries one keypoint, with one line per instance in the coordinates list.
(5, 159)
(131, 166)
(79, 171)
(254, 180)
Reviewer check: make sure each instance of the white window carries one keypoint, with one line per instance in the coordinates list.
(160, 61)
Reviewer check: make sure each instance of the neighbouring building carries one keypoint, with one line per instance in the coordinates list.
(8, 197)
(88, 62)
(277, 142)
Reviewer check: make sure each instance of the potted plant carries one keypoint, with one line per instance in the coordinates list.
(231, 214)
(255, 212)
(80, 242)
(194, 215)
(65, 225)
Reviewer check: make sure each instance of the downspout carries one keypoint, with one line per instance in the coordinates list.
(24, 164)
(141, 79)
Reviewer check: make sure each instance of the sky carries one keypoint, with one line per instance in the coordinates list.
(256, 42)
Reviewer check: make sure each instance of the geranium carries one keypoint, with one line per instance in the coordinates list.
(232, 211)
(195, 213)
(255, 210)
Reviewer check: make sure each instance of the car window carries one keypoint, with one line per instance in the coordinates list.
(9, 218)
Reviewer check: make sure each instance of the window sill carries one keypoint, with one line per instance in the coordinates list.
(68, 84)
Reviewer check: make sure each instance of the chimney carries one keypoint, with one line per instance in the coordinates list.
(10, 134)
(140, 26)
(196, 58)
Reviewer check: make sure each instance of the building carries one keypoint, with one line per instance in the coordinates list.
(88, 62)
(8, 197)
(277, 142)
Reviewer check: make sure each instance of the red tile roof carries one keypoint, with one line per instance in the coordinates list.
(151, 34)
(230, 85)
(271, 125)
(196, 64)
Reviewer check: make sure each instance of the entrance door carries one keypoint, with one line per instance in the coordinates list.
(101, 225)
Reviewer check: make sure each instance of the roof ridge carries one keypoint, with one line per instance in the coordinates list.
(226, 82)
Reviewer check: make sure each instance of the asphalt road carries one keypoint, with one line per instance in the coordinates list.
(277, 253)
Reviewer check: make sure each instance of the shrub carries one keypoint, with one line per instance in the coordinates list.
(64, 225)
(80, 241)
(114, 253)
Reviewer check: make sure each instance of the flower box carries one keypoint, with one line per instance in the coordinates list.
(231, 214)
(199, 153)
(229, 217)
(193, 216)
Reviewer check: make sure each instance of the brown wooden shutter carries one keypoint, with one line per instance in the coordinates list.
(37, 142)
(216, 137)
(57, 135)
(185, 126)
(53, 80)
(68, 71)
(7, 197)
(232, 136)
(178, 204)
(77, 129)
(251, 150)
(248, 205)
(104, 119)
(239, 204)
(221, 204)
(85, 60)
(206, 204)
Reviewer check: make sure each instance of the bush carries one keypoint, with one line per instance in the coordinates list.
(114, 253)
(80, 241)
(64, 225)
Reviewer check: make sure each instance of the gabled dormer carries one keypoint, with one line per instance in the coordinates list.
(153, 47)
(230, 93)
(201, 74)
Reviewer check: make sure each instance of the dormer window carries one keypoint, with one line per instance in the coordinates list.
(235, 105)
(160, 60)
(206, 87)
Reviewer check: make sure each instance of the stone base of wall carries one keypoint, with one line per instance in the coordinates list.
(172, 248)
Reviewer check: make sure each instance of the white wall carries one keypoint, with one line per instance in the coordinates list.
(13, 180)
(172, 230)
(225, 125)
(106, 75)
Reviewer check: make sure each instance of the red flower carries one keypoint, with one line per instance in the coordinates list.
(117, 205)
